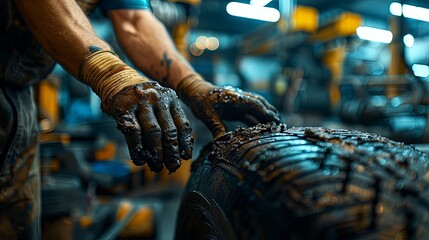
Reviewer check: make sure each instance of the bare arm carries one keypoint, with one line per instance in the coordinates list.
(149, 46)
(62, 29)
(153, 123)
(147, 43)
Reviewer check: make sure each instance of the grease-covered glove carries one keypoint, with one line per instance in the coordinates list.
(149, 115)
(212, 104)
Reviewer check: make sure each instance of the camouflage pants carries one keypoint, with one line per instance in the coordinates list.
(19, 171)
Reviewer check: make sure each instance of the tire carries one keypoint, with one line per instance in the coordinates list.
(278, 182)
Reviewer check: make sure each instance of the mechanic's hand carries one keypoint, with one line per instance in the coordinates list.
(211, 104)
(149, 116)
(154, 125)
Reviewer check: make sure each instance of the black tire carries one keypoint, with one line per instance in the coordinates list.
(275, 182)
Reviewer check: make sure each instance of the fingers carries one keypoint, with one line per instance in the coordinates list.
(263, 101)
(184, 130)
(166, 131)
(257, 108)
(154, 125)
(214, 123)
(130, 128)
(170, 144)
(152, 137)
(250, 104)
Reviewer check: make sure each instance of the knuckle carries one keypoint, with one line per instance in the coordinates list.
(185, 127)
(170, 132)
(154, 129)
(171, 92)
(152, 93)
(126, 123)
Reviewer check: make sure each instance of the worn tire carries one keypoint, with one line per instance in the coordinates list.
(275, 182)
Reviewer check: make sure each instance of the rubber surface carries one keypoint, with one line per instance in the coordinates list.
(276, 182)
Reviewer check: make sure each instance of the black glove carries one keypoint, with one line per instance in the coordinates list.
(211, 104)
(150, 116)
(154, 125)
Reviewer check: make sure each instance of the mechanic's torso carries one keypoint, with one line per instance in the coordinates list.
(22, 60)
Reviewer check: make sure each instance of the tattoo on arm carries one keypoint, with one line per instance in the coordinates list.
(168, 62)
(94, 49)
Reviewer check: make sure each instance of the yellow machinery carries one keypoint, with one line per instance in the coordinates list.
(264, 40)
(397, 64)
(304, 26)
(47, 99)
(343, 26)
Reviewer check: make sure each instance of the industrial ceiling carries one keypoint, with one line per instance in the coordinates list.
(213, 15)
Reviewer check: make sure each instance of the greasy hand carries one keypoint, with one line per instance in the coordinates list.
(212, 104)
(154, 125)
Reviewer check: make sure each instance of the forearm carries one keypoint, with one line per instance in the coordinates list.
(62, 29)
(149, 46)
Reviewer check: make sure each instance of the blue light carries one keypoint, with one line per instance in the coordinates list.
(420, 70)
(260, 3)
(374, 34)
(409, 11)
(253, 11)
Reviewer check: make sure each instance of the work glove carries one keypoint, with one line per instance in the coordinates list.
(155, 127)
(212, 104)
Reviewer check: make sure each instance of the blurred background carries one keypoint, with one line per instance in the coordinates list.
(356, 64)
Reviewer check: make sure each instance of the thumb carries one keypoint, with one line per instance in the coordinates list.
(215, 125)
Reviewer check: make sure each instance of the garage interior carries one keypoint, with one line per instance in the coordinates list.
(357, 65)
